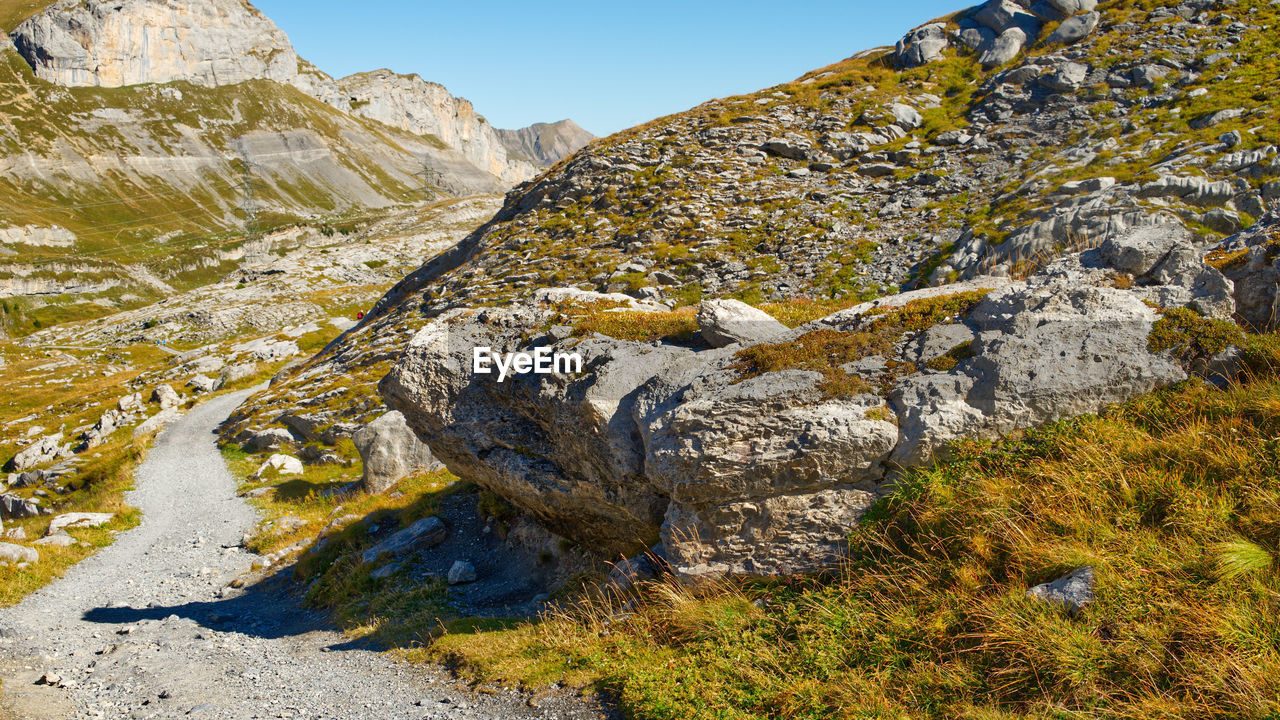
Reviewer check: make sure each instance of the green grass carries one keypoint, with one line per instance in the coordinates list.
(825, 351)
(13, 12)
(390, 610)
(1174, 498)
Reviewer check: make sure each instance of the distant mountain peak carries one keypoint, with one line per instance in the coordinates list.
(547, 143)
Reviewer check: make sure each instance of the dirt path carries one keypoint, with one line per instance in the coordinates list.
(141, 629)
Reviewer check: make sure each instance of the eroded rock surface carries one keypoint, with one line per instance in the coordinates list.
(764, 473)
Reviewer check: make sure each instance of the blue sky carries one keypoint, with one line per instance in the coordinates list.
(607, 65)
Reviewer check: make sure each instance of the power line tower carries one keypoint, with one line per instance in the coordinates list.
(430, 179)
(248, 188)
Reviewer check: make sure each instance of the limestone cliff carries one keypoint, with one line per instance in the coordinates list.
(547, 143)
(425, 108)
(130, 42)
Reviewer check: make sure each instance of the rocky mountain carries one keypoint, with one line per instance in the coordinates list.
(144, 141)
(547, 143)
(982, 147)
(410, 103)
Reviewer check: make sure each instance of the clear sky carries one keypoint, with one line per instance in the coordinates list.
(608, 65)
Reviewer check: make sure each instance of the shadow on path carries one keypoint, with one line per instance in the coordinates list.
(267, 609)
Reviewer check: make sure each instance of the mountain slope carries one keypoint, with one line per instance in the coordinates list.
(144, 141)
(547, 143)
(864, 176)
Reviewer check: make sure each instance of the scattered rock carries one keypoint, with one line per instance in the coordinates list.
(282, 464)
(18, 554)
(78, 520)
(461, 573)
(201, 384)
(423, 534)
(1073, 592)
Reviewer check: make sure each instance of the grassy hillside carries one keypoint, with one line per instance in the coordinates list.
(13, 12)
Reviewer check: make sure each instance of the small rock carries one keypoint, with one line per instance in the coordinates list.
(1073, 591)
(462, 572)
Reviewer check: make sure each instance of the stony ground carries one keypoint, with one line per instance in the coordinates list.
(147, 628)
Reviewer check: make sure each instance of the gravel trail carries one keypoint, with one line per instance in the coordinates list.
(141, 630)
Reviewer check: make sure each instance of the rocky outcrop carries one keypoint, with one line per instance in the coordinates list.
(750, 466)
(37, 236)
(546, 143)
(425, 108)
(111, 43)
(390, 452)
(998, 30)
(1251, 260)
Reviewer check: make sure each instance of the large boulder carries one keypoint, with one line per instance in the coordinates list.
(757, 458)
(564, 447)
(921, 46)
(390, 451)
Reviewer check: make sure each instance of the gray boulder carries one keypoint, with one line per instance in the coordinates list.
(1003, 15)
(78, 520)
(1073, 591)
(563, 447)
(1255, 273)
(921, 46)
(729, 322)
(15, 554)
(232, 373)
(1005, 48)
(1075, 29)
(269, 439)
(905, 116)
(390, 451)
(46, 449)
(1066, 77)
(423, 534)
(202, 384)
(165, 396)
(14, 507)
(461, 572)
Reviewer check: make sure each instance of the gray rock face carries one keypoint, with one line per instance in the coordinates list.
(13, 507)
(728, 322)
(1074, 29)
(1005, 48)
(921, 46)
(111, 43)
(423, 534)
(426, 108)
(1073, 592)
(1256, 274)
(764, 475)
(390, 452)
(563, 447)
